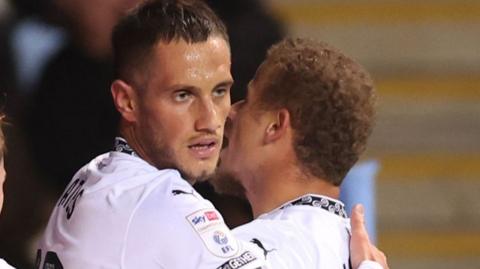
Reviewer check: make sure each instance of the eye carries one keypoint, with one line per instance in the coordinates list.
(182, 96)
(220, 92)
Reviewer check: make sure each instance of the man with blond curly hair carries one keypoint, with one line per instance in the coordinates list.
(306, 119)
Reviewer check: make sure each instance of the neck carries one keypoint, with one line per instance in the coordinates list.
(127, 131)
(287, 184)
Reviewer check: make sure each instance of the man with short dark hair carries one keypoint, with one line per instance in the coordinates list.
(305, 121)
(135, 207)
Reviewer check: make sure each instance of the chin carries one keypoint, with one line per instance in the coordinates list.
(195, 170)
(197, 175)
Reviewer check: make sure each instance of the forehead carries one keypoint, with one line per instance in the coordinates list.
(261, 78)
(179, 60)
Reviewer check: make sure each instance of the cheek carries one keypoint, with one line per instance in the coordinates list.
(171, 128)
(176, 129)
(225, 110)
(224, 106)
(241, 135)
(247, 133)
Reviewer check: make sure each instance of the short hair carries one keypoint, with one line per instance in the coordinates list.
(161, 20)
(331, 100)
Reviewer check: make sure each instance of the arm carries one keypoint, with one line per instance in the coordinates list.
(364, 255)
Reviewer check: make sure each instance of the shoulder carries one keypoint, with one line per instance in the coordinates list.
(286, 242)
(271, 224)
(174, 211)
(5, 265)
(106, 194)
(184, 223)
(282, 234)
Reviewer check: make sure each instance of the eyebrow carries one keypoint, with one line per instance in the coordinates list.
(226, 83)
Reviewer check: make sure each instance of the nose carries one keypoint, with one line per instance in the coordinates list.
(209, 118)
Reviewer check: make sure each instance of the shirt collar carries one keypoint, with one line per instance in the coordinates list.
(331, 205)
(121, 145)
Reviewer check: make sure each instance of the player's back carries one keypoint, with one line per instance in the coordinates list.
(303, 233)
(120, 212)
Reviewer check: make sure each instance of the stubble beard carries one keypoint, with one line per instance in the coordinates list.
(164, 157)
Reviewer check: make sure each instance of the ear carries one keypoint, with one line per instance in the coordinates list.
(278, 126)
(124, 98)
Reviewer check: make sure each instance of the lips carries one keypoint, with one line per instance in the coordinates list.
(204, 148)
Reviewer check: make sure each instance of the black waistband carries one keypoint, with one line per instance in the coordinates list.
(325, 203)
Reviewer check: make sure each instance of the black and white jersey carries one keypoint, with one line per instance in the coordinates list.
(120, 212)
(310, 232)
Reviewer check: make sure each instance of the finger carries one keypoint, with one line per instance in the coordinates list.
(357, 214)
(379, 253)
(357, 221)
(380, 257)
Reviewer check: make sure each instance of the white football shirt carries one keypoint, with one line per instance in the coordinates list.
(310, 232)
(5, 265)
(120, 212)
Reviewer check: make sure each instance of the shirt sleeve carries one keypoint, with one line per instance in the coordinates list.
(370, 265)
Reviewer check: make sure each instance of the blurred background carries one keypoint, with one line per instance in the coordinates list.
(424, 56)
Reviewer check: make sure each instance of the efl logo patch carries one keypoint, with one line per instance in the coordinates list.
(220, 238)
(220, 241)
(213, 232)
